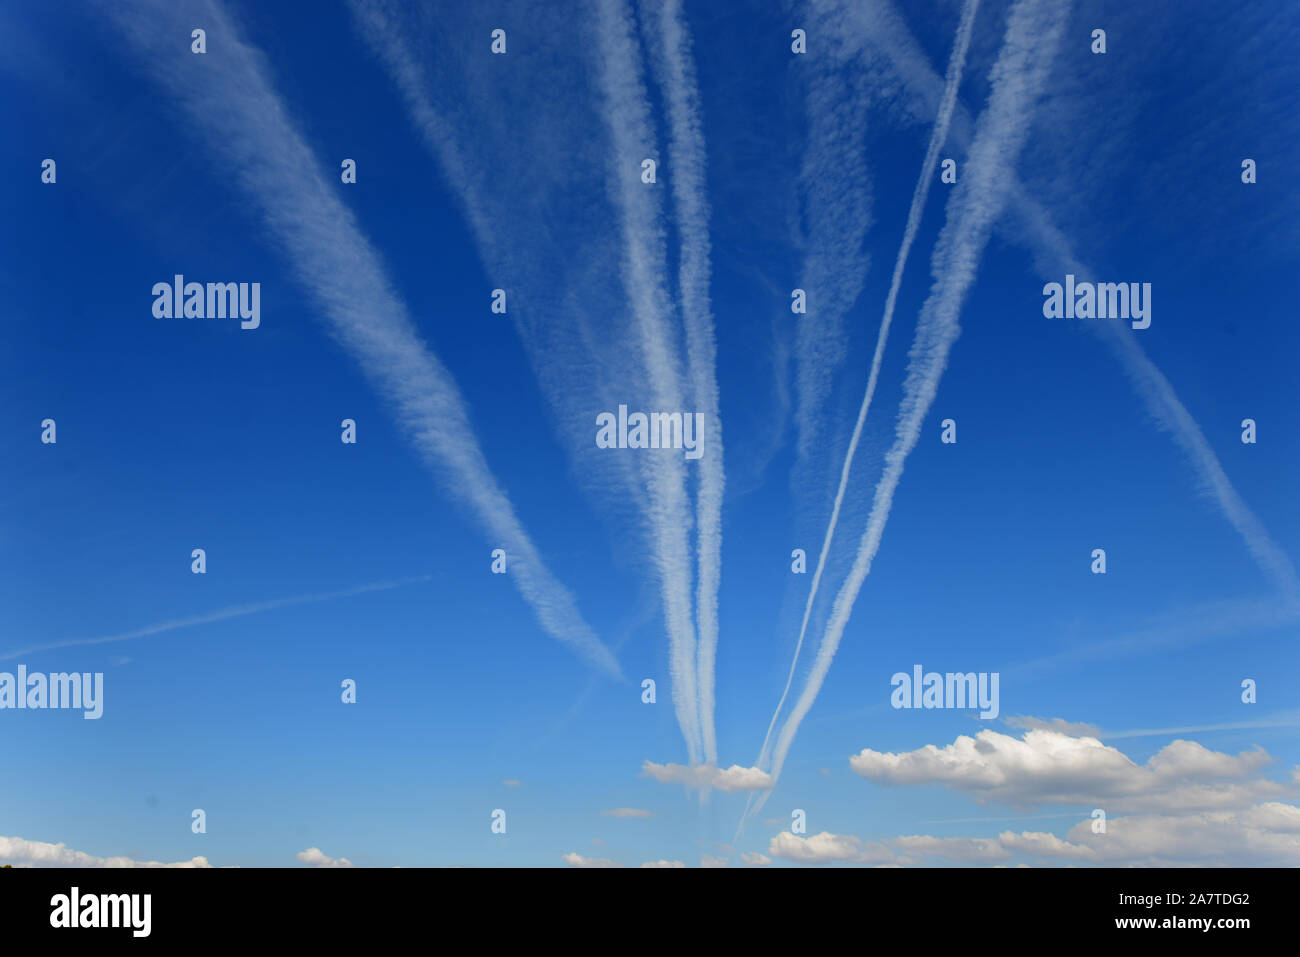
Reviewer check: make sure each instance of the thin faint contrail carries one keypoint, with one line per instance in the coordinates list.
(956, 64)
(686, 160)
(1033, 31)
(223, 614)
(1289, 719)
(235, 109)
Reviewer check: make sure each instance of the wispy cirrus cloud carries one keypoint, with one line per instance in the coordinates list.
(835, 214)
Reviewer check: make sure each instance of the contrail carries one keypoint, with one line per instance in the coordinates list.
(235, 611)
(1171, 416)
(894, 43)
(836, 200)
(233, 106)
(1286, 719)
(938, 135)
(667, 514)
(686, 158)
(627, 115)
(1033, 31)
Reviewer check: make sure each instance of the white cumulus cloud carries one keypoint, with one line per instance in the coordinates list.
(24, 853)
(1051, 767)
(315, 857)
(701, 776)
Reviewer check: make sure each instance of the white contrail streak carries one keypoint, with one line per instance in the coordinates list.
(667, 513)
(222, 614)
(233, 106)
(1169, 413)
(938, 135)
(686, 160)
(1173, 417)
(895, 44)
(627, 115)
(1033, 31)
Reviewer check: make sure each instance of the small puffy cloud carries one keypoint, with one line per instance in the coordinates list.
(1041, 844)
(1055, 768)
(315, 857)
(973, 849)
(663, 864)
(825, 848)
(702, 776)
(24, 853)
(708, 860)
(755, 859)
(627, 812)
(512, 783)
(577, 860)
(1028, 722)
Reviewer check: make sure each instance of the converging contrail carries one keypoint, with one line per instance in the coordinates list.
(938, 135)
(686, 160)
(231, 102)
(627, 115)
(570, 366)
(1033, 31)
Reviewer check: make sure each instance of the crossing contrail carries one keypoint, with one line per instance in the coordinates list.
(1033, 31)
(938, 135)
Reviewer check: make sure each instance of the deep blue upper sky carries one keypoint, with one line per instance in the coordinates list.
(183, 434)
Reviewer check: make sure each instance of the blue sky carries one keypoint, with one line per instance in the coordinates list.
(475, 430)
